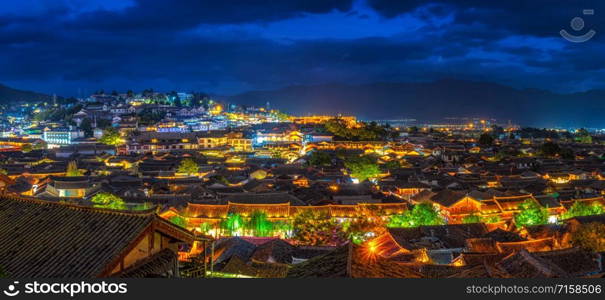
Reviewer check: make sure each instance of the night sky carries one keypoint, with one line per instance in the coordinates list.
(228, 47)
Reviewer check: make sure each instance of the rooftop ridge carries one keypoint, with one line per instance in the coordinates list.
(258, 204)
(255, 194)
(530, 195)
(146, 213)
(584, 199)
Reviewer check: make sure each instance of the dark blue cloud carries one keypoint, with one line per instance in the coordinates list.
(231, 46)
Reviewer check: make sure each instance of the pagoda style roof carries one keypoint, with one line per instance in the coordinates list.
(276, 251)
(49, 239)
(153, 266)
(589, 219)
(66, 182)
(574, 261)
(511, 203)
(450, 236)
(523, 264)
(260, 198)
(236, 265)
(351, 261)
(284, 210)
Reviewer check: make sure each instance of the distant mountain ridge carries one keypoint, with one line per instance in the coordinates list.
(430, 101)
(8, 95)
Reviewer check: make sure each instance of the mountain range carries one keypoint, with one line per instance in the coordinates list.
(434, 101)
(8, 95)
(424, 101)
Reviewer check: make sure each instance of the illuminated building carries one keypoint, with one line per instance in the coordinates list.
(172, 127)
(278, 136)
(61, 136)
(349, 120)
(197, 214)
(155, 142)
(68, 187)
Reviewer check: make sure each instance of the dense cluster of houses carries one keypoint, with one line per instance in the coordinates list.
(457, 179)
(186, 173)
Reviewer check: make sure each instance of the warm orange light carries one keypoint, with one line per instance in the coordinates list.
(370, 250)
(372, 247)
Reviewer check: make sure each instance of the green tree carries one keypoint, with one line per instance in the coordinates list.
(150, 117)
(281, 116)
(107, 200)
(143, 206)
(233, 223)
(111, 137)
(486, 140)
(392, 165)
(363, 167)
(422, 214)
(361, 132)
(178, 220)
(583, 136)
(188, 166)
(39, 145)
(284, 227)
(319, 159)
(26, 148)
(86, 126)
(550, 149)
(471, 219)
(579, 209)
(259, 225)
(72, 169)
(492, 219)
(371, 224)
(567, 153)
(590, 237)
(205, 228)
(317, 229)
(531, 213)
(3, 172)
(497, 131)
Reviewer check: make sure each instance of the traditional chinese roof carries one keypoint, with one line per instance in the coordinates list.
(589, 219)
(447, 197)
(76, 182)
(237, 265)
(48, 239)
(574, 261)
(545, 244)
(523, 264)
(483, 270)
(511, 203)
(281, 210)
(275, 251)
(208, 211)
(481, 245)
(471, 259)
(349, 261)
(226, 248)
(260, 198)
(500, 235)
(158, 265)
(448, 236)
(587, 201)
